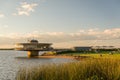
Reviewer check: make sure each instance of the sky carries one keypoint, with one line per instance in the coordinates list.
(65, 23)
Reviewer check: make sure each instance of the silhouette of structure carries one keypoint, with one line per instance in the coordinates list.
(33, 47)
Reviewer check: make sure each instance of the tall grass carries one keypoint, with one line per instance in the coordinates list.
(97, 69)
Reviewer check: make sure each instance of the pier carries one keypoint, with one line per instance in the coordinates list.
(33, 47)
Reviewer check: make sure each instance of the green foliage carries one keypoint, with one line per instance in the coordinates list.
(49, 53)
(92, 69)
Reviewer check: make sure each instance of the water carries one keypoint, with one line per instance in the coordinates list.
(12, 61)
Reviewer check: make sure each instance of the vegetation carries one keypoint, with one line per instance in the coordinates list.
(101, 54)
(91, 69)
(49, 53)
(6, 48)
(91, 51)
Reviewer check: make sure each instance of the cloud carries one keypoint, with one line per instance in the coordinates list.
(3, 27)
(83, 37)
(90, 34)
(2, 15)
(25, 8)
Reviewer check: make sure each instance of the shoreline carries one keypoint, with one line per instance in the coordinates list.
(56, 56)
(64, 56)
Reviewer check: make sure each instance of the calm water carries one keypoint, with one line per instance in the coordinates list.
(12, 61)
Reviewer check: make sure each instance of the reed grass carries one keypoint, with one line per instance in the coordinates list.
(92, 69)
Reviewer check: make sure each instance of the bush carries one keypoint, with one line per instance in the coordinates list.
(49, 53)
(97, 69)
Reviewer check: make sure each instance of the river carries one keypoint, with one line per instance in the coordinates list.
(11, 61)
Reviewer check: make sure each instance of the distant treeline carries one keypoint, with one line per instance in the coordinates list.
(91, 51)
(6, 48)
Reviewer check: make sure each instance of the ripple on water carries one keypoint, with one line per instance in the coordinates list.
(12, 61)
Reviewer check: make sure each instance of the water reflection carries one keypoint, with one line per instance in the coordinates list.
(31, 58)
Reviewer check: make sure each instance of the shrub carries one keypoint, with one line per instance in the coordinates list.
(95, 69)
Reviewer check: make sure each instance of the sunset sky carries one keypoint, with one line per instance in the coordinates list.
(65, 23)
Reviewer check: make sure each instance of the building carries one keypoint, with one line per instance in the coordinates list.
(33, 47)
(82, 48)
(103, 47)
(94, 48)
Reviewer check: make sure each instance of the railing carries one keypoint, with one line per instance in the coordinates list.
(37, 49)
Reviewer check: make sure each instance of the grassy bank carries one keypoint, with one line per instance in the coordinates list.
(92, 69)
(95, 55)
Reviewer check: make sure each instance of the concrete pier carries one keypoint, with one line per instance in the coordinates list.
(33, 47)
(33, 53)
